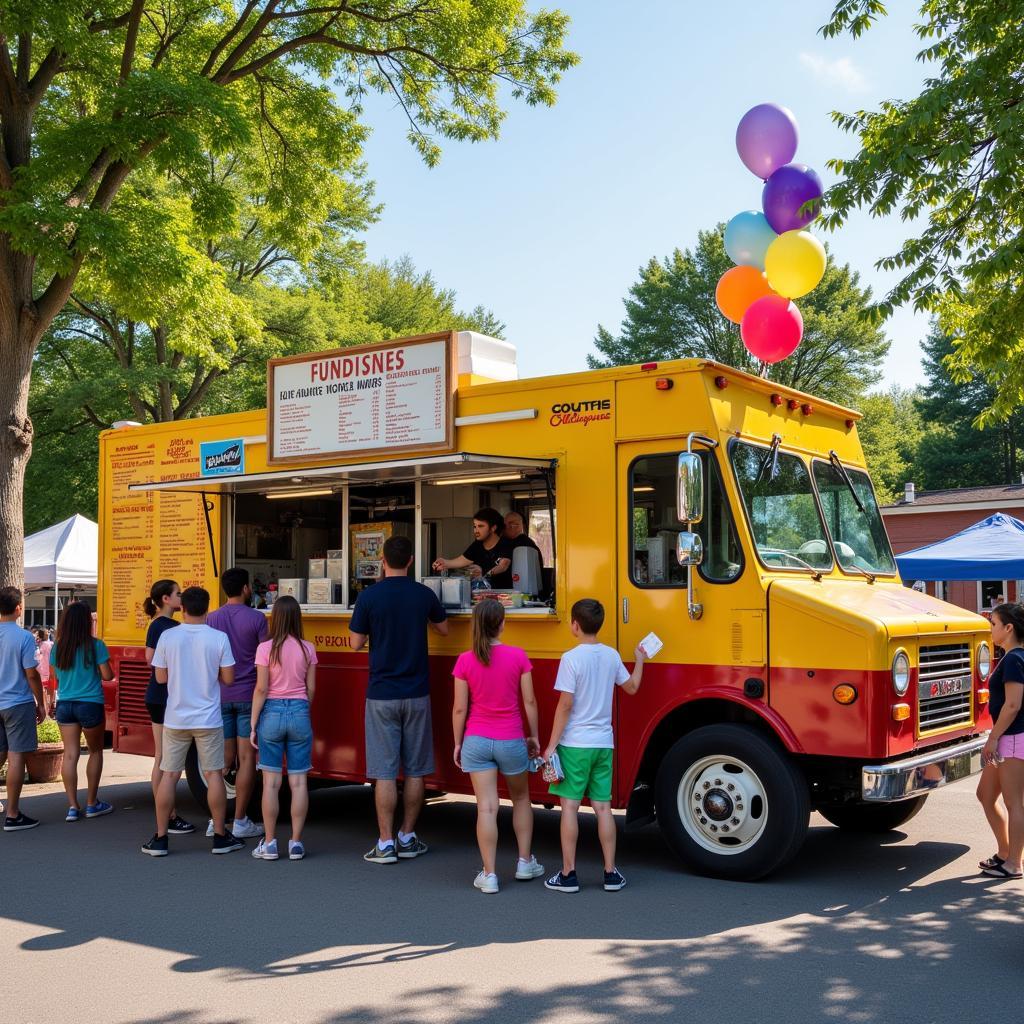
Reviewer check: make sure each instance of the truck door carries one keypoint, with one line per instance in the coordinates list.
(652, 594)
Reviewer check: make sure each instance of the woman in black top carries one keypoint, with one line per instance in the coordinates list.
(1004, 750)
(163, 601)
(490, 552)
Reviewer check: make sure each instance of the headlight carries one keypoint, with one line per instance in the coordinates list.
(900, 673)
(984, 660)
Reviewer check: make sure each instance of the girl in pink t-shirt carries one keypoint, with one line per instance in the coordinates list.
(487, 724)
(281, 726)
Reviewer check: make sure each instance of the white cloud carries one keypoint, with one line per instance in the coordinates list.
(841, 72)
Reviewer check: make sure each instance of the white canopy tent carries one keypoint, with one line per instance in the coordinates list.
(64, 555)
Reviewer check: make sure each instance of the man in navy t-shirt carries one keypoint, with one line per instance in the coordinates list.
(393, 615)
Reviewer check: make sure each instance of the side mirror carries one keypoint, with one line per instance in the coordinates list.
(689, 549)
(689, 489)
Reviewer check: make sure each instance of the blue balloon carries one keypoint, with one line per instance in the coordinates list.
(747, 237)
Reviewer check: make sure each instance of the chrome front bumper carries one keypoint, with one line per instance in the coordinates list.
(914, 776)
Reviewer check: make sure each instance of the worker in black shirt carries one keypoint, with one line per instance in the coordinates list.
(515, 535)
(490, 552)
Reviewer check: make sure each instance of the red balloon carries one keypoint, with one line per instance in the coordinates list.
(772, 328)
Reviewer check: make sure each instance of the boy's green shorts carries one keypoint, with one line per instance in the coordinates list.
(588, 772)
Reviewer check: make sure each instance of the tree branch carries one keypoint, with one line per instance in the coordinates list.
(131, 39)
(225, 41)
(248, 41)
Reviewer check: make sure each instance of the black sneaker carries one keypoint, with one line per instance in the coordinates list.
(156, 847)
(20, 823)
(613, 881)
(563, 883)
(178, 826)
(375, 855)
(226, 843)
(414, 848)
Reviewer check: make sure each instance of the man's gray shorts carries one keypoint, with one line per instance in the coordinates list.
(399, 733)
(18, 729)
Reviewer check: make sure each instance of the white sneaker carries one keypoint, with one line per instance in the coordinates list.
(243, 828)
(485, 882)
(527, 869)
(209, 829)
(265, 850)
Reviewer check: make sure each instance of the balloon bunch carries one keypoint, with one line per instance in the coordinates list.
(776, 260)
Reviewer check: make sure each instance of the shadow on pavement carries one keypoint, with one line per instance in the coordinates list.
(848, 932)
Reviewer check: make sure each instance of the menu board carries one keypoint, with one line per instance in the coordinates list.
(149, 535)
(373, 399)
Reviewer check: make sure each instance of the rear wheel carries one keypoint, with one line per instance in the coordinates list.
(872, 817)
(730, 802)
(197, 786)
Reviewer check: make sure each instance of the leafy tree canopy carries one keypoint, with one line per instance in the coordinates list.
(950, 161)
(671, 314)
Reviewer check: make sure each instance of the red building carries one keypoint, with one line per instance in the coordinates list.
(927, 516)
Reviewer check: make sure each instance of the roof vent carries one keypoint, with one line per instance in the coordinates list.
(908, 493)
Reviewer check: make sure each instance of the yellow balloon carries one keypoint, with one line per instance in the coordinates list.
(795, 263)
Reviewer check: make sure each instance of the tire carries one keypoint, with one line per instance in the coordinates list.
(197, 787)
(731, 803)
(872, 817)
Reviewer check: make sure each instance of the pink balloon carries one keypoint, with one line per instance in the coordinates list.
(772, 328)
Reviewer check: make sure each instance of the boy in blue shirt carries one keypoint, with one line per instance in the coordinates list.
(22, 704)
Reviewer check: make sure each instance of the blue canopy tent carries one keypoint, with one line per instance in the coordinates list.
(990, 550)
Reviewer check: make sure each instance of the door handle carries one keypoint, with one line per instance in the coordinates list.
(625, 609)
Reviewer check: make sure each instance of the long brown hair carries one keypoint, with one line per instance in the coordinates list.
(488, 617)
(285, 622)
(74, 633)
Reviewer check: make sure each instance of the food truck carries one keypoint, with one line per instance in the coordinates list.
(729, 515)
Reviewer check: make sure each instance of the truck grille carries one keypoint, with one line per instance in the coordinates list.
(944, 687)
(132, 680)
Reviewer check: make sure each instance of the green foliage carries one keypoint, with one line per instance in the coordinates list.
(671, 314)
(891, 433)
(48, 731)
(96, 366)
(950, 161)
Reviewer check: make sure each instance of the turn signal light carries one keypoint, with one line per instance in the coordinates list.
(648, 366)
(792, 405)
(844, 693)
(807, 408)
(900, 712)
(663, 384)
(721, 383)
(777, 399)
(983, 696)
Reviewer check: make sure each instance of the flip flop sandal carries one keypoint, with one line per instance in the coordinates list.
(999, 871)
(993, 862)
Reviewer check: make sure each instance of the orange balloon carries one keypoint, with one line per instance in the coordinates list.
(738, 289)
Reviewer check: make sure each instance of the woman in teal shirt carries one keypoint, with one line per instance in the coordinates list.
(80, 663)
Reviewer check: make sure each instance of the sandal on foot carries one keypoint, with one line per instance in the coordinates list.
(992, 862)
(1001, 871)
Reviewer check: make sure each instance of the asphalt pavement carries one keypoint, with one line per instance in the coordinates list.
(856, 929)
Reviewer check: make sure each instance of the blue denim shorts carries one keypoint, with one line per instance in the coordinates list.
(480, 754)
(285, 733)
(86, 713)
(237, 718)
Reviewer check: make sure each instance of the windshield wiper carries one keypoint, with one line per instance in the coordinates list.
(845, 477)
(852, 567)
(772, 456)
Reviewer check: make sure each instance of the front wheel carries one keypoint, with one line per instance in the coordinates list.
(873, 817)
(731, 803)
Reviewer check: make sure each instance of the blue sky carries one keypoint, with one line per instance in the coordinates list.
(549, 225)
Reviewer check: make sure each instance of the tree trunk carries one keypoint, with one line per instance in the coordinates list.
(16, 349)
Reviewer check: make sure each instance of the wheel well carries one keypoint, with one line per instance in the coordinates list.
(686, 718)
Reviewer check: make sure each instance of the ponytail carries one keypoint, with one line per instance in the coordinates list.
(488, 617)
(154, 604)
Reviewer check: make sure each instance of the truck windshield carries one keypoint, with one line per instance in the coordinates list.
(783, 515)
(853, 519)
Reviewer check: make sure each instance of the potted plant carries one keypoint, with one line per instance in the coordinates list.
(44, 764)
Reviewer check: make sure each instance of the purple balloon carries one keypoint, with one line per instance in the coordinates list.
(766, 138)
(785, 192)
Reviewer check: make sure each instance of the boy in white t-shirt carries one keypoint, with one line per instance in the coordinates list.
(582, 736)
(194, 661)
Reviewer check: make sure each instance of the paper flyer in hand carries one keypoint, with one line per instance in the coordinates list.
(650, 645)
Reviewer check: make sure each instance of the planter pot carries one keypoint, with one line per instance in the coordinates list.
(44, 764)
